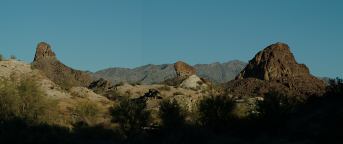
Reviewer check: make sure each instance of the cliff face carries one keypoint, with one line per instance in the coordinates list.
(46, 61)
(275, 68)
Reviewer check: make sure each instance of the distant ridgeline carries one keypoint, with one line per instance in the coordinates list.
(150, 74)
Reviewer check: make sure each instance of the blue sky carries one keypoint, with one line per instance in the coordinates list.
(96, 34)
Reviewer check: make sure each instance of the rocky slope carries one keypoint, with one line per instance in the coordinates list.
(149, 74)
(66, 101)
(275, 69)
(46, 61)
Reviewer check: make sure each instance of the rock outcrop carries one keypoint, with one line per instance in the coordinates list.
(273, 63)
(183, 69)
(44, 51)
(104, 88)
(46, 61)
(194, 82)
(275, 69)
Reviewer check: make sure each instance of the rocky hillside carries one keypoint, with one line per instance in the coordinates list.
(66, 101)
(149, 74)
(275, 69)
(46, 61)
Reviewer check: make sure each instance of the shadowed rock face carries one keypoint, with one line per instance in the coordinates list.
(274, 62)
(46, 61)
(275, 68)
(183, 69)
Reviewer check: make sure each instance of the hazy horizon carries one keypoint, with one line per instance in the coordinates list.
(93, 35)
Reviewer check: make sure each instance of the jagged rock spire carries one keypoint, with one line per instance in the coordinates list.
(43, 50)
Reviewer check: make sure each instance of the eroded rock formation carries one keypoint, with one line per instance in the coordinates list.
(46, 61)
(275, 69)
(183, 69)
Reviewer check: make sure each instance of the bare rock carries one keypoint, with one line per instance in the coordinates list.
(45, 60)
(103, 87)
(194, 82)
(43, 50)
(183, 69)
(275, 69)
(274, 62)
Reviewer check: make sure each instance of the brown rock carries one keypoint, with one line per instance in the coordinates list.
(101, 86)
(46, 61)
(276, 69)
(182, 69)
(43, 50)
(274, 62)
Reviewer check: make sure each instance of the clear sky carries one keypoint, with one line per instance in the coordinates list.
(96, 34)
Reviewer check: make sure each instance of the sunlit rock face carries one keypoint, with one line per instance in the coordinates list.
(183, 69)
(46, 61)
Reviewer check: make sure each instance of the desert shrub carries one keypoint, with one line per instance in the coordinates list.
(171, 114)
(177, 93)
(276, 107)
(215, 112)
(26, 101)
(241, 110)
(114, 95)
(9, 100)
(87, 111)
(335, 87)
(164, 88)
(119, 84)
(131, 115)
(66, 84)
(1, 57)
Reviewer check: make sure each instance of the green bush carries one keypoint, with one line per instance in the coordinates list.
(88, 112)
(131, 115)
(171, 114)
(9, 100)
(215, 112)
(24, 100)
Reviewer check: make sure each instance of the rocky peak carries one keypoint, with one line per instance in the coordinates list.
(43, 50)
(45, 60)
(273, 63)
(275, 69)
(183, 69)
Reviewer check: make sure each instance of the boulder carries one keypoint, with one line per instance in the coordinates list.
(194, 82)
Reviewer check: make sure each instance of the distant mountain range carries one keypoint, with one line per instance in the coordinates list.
(150, 74)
